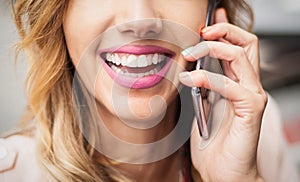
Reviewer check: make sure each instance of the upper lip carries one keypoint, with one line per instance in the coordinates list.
(139, 50)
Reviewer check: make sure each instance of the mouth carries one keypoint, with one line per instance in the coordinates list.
(137, 66)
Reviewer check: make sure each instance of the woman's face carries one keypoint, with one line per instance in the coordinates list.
(137, 62)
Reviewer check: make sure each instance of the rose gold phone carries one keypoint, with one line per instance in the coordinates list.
(204, 99)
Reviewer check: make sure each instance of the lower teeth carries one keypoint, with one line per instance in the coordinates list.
(134, 75)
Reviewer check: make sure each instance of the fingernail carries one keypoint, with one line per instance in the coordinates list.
(206, 29)
(187, 51)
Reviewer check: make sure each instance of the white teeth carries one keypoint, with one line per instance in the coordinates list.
(142, 62)
(155, 59)
(134, 75)
(123, 61)
(108, 57)
(117, 60)
(113, 67)
(135, 61)
(141, 75)
(132, 61)
(149, 59)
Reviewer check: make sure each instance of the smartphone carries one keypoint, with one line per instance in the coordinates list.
(204, 99)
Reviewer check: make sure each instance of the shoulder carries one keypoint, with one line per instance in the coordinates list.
(274, 162)
(18, 160)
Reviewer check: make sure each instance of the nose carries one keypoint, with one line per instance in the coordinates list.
(141, 20)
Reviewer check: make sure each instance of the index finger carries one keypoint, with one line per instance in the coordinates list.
(230, 33)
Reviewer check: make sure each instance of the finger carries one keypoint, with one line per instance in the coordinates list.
(234, 55)
(215, 49)
(230, 33)
(216, 82)
(201, 50)
(228, 72)
(221, 16)
(234, 35)
(223, 30)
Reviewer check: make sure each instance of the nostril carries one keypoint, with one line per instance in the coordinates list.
(143, 28)
(149, 34)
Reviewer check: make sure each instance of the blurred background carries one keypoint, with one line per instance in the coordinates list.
(277, 23)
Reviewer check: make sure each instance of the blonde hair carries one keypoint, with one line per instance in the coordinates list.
(64, 152)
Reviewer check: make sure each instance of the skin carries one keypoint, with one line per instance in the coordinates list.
(112, 13)
(235, 146)
(232, 156)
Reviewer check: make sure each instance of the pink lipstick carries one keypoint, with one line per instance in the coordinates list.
(137, 66)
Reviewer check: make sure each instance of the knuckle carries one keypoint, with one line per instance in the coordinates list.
(198, 77)
(220, 26)
(254, 39)
(207, 80)
(212, 49)
(203, 75)
(261, 100)
(240, 52)
(265, 98)
(224, 25)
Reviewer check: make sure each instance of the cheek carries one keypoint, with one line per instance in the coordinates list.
(83, 23)
(191, 14)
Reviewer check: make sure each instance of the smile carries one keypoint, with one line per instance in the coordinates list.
(137, 66)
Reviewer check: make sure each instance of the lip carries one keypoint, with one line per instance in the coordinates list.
(143, 82)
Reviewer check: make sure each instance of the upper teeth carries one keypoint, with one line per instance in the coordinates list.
(134, 61)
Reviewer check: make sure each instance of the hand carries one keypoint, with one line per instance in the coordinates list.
(232, 154)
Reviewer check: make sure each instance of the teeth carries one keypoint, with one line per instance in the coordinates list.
(142, 62)
(131, 61)
(116, 69)
(134, 75)
(108, 57)
(135, 61)
(117, 60)
(155, 59)
(149, 59)
(161, 58)
(123, 61)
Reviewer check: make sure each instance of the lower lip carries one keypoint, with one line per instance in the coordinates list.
(138, 83)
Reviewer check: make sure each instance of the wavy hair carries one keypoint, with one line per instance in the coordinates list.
(63, 150)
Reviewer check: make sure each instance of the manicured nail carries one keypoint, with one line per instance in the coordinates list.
(187, 51)
(206, 29)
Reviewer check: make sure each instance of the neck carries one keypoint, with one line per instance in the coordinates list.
(168, 169)
(136, 150)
